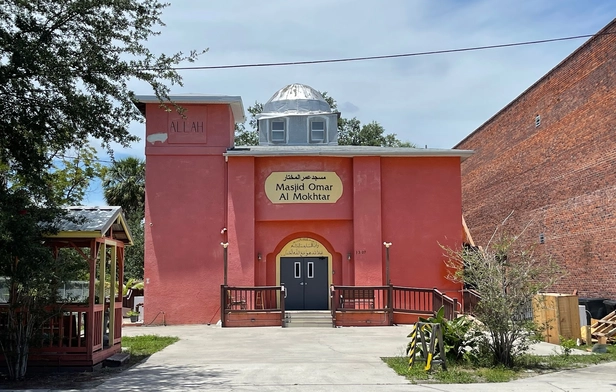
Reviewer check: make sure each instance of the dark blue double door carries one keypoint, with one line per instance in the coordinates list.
(305, 281)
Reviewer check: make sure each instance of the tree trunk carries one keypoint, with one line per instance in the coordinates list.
(20, 327)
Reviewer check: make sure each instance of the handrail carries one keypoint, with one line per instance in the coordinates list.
(471, 298)
(391, 299)
(252, 287)
(251, 299)
(449, 304)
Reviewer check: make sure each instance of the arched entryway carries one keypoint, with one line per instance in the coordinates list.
(304, 267)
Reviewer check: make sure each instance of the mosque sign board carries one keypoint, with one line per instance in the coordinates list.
(303, 187)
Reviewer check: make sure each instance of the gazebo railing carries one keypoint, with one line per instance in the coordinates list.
(71, 330)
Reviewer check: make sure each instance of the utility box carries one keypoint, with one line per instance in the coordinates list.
(558, 315)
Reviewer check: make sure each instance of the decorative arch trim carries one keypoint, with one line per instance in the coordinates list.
(305, 247)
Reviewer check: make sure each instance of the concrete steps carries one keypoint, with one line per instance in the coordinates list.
(308, 319)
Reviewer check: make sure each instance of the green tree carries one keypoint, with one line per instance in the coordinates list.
(30, 272)
(124, 186)
(507, 278)
(249, 137)
(64, 70)
(134, 254)
(71, 175)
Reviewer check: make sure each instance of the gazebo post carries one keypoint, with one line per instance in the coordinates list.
(101, 285)
(113, 286)
(91, 296)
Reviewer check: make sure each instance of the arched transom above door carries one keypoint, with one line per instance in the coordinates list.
(304, 247)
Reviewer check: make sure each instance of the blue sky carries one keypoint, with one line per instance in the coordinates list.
(429, 100)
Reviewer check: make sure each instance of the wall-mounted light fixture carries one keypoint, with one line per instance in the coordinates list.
(259, 256)
(349, 256)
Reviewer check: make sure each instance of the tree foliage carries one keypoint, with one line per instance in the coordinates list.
(134, 254)
(124, 186)
(350, 131)
(64, 70)
(71, 175)
(249, 137)
(507, 276)
(31, 275)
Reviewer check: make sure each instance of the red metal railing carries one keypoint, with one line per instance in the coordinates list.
(413, 300)
(449, 304)
(377, 299)
(391, 299)
(361, 297)
(252, 299)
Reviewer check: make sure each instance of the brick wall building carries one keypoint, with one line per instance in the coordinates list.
(550, 156)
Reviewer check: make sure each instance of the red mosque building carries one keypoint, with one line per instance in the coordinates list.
(339, 227)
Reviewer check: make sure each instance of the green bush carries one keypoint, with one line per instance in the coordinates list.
(460, 338)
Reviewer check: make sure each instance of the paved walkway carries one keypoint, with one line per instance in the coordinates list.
(209, 358)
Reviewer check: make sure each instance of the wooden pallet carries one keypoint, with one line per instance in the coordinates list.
(605, 328)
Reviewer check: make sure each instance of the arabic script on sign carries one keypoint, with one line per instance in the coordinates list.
(303, 187)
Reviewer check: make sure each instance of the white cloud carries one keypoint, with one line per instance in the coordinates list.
(435, 100)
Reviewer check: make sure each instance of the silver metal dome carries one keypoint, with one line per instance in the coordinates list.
(296, 99)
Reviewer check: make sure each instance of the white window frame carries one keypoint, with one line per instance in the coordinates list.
(284, 130)
(311, 137)
(310, 270)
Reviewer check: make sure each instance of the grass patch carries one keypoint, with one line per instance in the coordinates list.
(147, 345)
(141, 347)
(526, 365)
(559, 362)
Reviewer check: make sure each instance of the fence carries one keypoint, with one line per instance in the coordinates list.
(252, 306)
(380, 305)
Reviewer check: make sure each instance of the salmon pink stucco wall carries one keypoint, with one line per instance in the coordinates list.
(422, 210)
(185, 212)
(241, 222)
(367, 219)
(258, 226)
(334, 235)
(412, 202)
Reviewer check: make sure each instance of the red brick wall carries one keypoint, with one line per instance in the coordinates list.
(560, 177)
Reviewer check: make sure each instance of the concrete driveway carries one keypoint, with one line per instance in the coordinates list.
(306, 359)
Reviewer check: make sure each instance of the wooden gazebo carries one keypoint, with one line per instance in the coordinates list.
(85, 333)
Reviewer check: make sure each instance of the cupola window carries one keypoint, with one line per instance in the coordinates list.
(317, 130)
(278, 131)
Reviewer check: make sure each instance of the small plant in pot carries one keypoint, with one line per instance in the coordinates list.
(134, 316)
